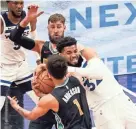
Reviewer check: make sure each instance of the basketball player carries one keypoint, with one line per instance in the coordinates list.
(112, 108)
(56, 28)
(14, 69)
(67, 101)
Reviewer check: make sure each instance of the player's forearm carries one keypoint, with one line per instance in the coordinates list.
(33, 32)
(24, 22)
(16, 36)
(25, 113)
(33, 25)
(85, 72)
(94, 69)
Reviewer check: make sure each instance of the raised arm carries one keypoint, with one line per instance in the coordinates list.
(1, 26)
(16, 34)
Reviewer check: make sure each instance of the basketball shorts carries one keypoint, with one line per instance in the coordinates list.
(18, 73)
(118, 113)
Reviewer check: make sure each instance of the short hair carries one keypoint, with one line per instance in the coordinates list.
(56, 17)
(57, 66)
(64, 42)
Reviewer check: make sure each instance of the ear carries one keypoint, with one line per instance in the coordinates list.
(48, 74)
(61, 54)
(64, 27)
(48, 27)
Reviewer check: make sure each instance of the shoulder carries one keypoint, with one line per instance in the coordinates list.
(4, 16)
(47, 99)
(38, 45)
(50, 102)
(74, 79)
(46, 43)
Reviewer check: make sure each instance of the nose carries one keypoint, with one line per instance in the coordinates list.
(56, 30)
(73, 55)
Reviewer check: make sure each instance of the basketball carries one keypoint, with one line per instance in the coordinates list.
(46, 85)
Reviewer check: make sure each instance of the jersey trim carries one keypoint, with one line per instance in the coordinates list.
(64, 84)
(24, 79)
(5, 83)
(52, 50)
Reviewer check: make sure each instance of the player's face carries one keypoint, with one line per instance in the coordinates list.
(71, 54)
(16, 8)
(56, 31)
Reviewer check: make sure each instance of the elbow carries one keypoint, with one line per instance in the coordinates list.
(89, 53)
(12, 37)
(30, 117)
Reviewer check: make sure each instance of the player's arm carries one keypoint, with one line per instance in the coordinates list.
(16, 34)
(95, 69)
(44, 105)
(28, 43)
(33, 32)
(87, 52)
(1, 26)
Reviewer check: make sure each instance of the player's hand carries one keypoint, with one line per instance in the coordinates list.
(38, 92)
(34, 83)
(13, 101)
(39, 69)
(35, 87)
(38, 61)
(33, 13)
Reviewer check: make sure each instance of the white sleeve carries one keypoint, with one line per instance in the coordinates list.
(95, 69)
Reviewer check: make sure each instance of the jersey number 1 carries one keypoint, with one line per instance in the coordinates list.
(75, 101)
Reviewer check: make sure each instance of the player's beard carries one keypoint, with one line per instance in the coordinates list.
(16, 16)
(54, 40)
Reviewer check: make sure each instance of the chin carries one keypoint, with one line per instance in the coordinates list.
(74, 63)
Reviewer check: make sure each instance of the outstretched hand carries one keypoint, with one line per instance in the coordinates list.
(33, 12)
(39, 69)
(13, 101)
(35, 87)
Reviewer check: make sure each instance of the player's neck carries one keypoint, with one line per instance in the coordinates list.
(59, 82)
(13, 19)
(53, 45)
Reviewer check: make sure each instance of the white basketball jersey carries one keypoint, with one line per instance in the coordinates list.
(10, 51)
(102, 87)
